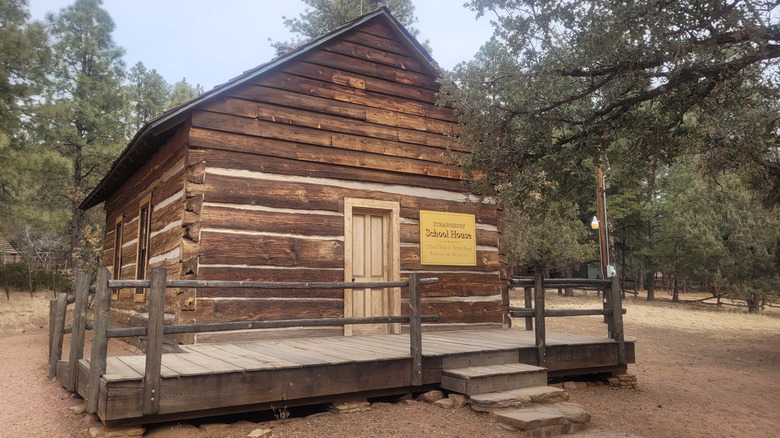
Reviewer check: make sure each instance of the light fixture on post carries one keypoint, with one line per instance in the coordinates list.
(594, 223)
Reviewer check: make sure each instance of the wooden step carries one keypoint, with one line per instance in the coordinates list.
(492, 378)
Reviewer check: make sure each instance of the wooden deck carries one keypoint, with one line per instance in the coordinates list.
(215, 379)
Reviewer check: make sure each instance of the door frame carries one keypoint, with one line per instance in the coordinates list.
(392, 210)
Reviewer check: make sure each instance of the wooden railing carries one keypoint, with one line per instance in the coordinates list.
(156, 329)
(535, 313)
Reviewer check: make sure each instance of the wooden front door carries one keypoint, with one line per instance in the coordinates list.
(370, 244)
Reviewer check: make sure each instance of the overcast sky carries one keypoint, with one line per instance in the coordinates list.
(212, 41)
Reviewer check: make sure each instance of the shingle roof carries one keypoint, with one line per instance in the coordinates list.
(7, 246)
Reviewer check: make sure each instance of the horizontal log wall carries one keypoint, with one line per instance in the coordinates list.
(163, 177)
(272, 161)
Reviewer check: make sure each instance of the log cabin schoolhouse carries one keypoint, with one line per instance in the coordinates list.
(312, 167)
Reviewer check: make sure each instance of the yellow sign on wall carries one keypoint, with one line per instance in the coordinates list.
(447, 239)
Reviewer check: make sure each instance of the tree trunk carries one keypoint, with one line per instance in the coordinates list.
(29, 277)
(76, 213)
(640, 278)
(623, 273)
(54, 283)
(651, 229)
(754, 303)
(675, 291)
(650, 281)
(7, 289)
(569, 292)
(650, 262)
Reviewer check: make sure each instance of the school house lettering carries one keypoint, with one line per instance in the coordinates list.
(448, 234)
(447, 239)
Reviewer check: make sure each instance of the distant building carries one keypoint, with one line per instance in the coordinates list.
(9, 253)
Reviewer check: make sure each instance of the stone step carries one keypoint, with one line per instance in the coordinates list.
(517, 397)
(492, 378)
(545, 420)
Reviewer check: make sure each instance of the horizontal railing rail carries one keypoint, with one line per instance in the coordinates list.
(552, 283)
(522, 312)
(120, 284)
(156, 329)
(535, 313)
(127, 332)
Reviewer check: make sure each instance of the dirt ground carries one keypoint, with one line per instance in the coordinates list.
(702, 372)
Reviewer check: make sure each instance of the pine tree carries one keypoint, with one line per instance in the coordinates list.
(550, 240)
(562, 81)
(24, 62)
(84, 112)
(183, 91)
(149, 94)
(323, 16)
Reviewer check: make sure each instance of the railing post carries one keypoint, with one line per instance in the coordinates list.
(606, 299)
(541, 338)
(97, 362)
(617, 320)
(415, 328)
(154, 341)
(52, 318)
(55, 352)
(529, 302)
(79, 326)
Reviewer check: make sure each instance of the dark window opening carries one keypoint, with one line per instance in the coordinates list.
(144, 229)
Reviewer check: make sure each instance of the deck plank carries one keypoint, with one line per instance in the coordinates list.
(184, 367)
(138, 363)
(216, 366)
(457, 335)
(118, 371)
(314, 349)
(500, 337)
(343, 349)
(475, 343)
(369, 350)
(381, 345)
(443, 346)
(280, 352)
(242, 362)
(270, 362)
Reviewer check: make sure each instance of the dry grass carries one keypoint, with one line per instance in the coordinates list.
(703, 371)
(22, 313)
(690, 314)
